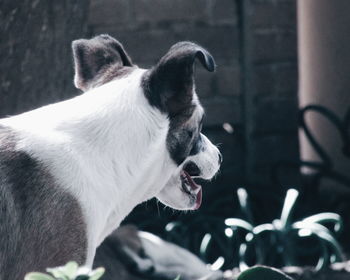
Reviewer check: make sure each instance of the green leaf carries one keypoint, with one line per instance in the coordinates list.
(38, 276)
(58, 273)
(239, 223)
(324, 234)
(263, 228)
(242, 252)
(243, 202)
(288, 206)
(326, 217)
(97, 273)
(263, 273)
(171, 226)
(177, 277)
(82, 277)
(204, 244)
(66, 272)
(71, 269)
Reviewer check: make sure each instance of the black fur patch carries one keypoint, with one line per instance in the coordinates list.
(41, 224)
(169, 87)
(98, 61)
(182, 135)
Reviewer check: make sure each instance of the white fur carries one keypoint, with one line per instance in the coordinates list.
(207, 161)
(107, 147)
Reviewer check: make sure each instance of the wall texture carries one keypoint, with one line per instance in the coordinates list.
(36, 59)
(270, 97)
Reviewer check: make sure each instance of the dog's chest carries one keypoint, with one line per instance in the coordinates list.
(41, 224)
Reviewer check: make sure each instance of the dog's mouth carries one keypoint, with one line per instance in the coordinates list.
(189, 186)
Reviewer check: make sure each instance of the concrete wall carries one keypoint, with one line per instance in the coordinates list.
(270, 97)
(35, 52)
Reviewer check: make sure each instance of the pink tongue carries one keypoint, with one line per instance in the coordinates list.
(193, 185)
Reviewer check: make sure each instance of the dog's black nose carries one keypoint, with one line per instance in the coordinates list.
(220, 158)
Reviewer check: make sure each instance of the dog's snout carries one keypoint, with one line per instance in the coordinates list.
(220, 158)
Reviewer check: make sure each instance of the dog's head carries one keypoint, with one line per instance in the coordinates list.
(169, 88)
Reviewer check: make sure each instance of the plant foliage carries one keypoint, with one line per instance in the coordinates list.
(70, 271)
(263, 273)
(279, 238)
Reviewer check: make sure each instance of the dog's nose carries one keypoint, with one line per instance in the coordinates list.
(220, 158)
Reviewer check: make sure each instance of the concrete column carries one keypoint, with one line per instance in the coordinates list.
(324, 71)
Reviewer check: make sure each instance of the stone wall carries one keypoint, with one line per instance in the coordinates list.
(36, 58)
(270, 98)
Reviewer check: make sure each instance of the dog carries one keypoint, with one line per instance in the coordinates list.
(71, 171)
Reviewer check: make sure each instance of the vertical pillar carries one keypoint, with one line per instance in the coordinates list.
(324, 71)
(270, 91)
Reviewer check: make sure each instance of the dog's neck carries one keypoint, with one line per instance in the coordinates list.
(105, 147)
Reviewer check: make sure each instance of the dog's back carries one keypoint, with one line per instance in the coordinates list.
(29, 202)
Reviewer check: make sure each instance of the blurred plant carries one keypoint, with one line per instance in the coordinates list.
(279, 238)
(263, 272)
(324, 168)
(70, 271)
(205, 236)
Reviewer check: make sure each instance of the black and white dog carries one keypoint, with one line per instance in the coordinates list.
(70, 172)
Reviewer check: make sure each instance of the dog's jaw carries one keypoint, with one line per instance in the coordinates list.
(207, 161)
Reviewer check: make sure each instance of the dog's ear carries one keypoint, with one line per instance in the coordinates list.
(170, 84)
(94, 57)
